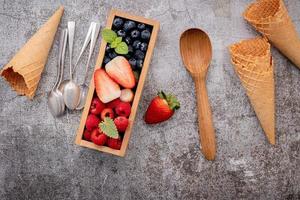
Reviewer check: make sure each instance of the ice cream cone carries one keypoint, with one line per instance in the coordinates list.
(255, 69)
(270, 17)
(23, 72)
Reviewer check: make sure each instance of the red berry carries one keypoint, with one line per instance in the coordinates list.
(107, 112)
(114, 143)
(121, 123)
(98, 138)
(97, 106)
(87, 135)
(123, 109)
(92, 122)
(113, 104)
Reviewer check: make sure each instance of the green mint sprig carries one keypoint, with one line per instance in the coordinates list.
(109, 128)
(114, 41)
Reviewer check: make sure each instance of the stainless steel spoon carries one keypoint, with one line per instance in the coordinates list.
(71, 90)
(55, 98)
(84, 87)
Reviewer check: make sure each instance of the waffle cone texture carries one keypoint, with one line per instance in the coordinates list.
(23, 71)
(270, 17)
(254, 66)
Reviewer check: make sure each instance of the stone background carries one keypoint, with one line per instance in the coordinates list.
(38, 158)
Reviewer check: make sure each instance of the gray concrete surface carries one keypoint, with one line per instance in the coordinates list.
(38, 158)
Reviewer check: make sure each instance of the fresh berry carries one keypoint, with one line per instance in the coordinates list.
(132, 63)
(136, 44)
(123, 109)
(87, 135)
(145, 35)
(139, 64)
(144, 46)
(135, 34)
(126, 95)
(130, 50)
(161, 108)
(114, 143)
(106, 89)
(92, 122)
(97, 106)
(112, 55)
(136, 76)
(120, 71)
(107, 112)
(139, 55)
(106, 60)
(128, 40)
(121, 123)
(121, 33)
(129, 25)
(113, 104)
(108, 49)
(98, 137)
(118, 23)
(141, 26)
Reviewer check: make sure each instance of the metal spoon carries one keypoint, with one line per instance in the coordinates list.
(71, 90)
(84, 87)
(55, 99)
(196, 53)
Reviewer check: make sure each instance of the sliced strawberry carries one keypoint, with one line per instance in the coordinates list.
(161, 108)
(106, 89)
(120, 71)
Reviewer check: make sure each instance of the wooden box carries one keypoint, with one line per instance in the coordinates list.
(79, 137)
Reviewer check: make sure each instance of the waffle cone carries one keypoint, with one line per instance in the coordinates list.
(23, 72)
(255, 69)
(270, 17)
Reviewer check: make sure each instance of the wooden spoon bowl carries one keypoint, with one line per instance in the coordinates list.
(196, 53)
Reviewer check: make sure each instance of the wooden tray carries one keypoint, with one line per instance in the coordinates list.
(79, 140)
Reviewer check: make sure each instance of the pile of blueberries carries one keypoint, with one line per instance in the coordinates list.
(136, 35)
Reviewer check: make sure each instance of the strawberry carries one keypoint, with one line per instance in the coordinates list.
(98, 137)
(113, 104)
(161, 108)
(92, 122)
(106, 89)
(114, 143)
(97, 106)
(121, 123)
(107, 112)
(120, 71)
(87, 135)
(123, 109)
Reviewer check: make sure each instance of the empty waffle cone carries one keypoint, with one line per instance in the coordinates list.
(253, 64)
(270, 17)
(23, 72)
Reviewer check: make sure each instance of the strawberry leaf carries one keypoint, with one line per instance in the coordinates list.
(109, 128)
(173, 103)
(108, 35)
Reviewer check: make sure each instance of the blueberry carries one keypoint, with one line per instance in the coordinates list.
(106, 60)
(144, 46)
(128, 40)
(135, 34)
(136, 44)
(112, 55)
(108, 49)
(139, 55)
(118, 23)
(141, 26)
(145, 35)
(132, 63)
(139, 64)
(121, 33)
(129, 25)
(127, 56)
(130, 50)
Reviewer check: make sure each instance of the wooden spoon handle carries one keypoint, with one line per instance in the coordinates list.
(206, 129)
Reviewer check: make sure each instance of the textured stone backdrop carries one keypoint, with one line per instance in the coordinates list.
(38, 158)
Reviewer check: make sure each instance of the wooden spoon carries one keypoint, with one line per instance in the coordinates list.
(196, 53)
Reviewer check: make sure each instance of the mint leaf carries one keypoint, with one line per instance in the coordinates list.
(122, 48)
(114, 44)
(109, 128)
(118, 40)
(108, 35)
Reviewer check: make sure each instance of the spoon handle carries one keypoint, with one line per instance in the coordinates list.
(71, 32)
(206, 129)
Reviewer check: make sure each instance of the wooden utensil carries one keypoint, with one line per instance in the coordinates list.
(196, 53)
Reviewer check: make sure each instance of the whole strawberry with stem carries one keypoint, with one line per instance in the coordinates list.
(161, 108)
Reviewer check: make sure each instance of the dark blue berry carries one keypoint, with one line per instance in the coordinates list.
(128, 40)
(136, 44)
(108, 49)
(112, 55)
(135, 34)
(129, 25)
(132, 63)
(144, 46)
(139, 55)
(121, 33)
(139, 64)
(118, 23)
(145, 35)
(130, 50)
(141, 26)
(106, 60)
